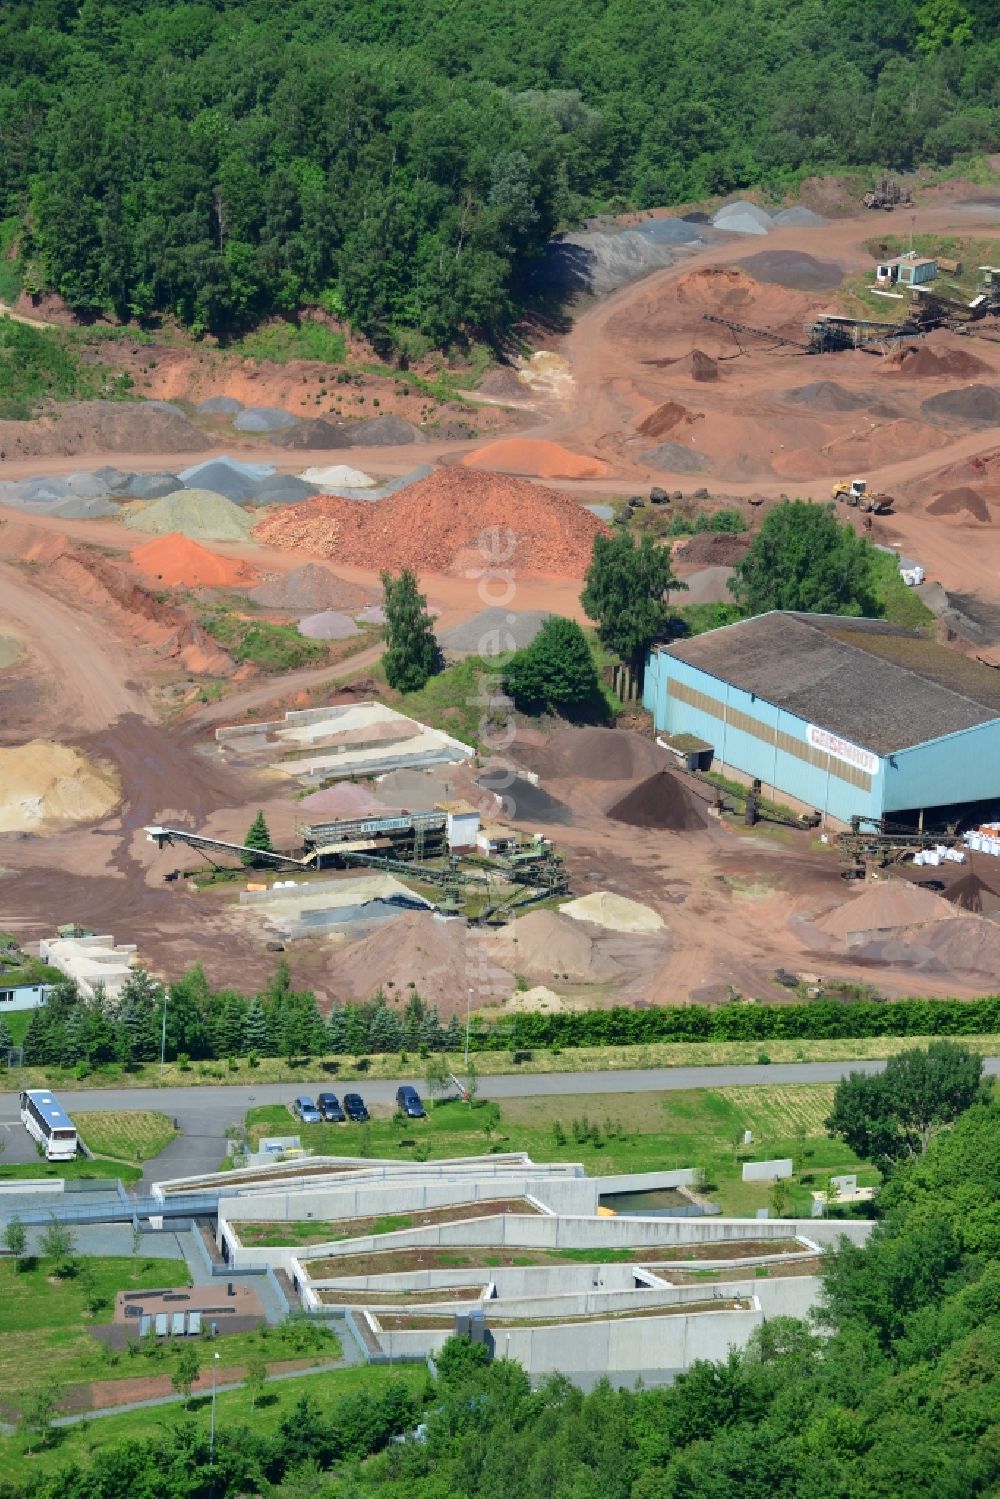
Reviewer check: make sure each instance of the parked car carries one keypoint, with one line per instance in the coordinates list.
(307, 1111)
(408, 1100)
(329, 1106)
(354, 1108)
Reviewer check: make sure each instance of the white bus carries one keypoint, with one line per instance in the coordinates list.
(45, 1119)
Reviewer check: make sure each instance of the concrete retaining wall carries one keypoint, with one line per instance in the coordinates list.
(43, 1185)
(343, 1170)
(767, 1171)
(594, 1303)
(645, 1235)
(655, 1343)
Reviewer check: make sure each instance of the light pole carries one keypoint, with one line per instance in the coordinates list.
(468, 1023)
(211, 1439)
(163, 1034)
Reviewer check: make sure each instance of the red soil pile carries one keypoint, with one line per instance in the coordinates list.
(534, 456)
(928, 363)
(667, 418)
(961, 501)
(441, 522)
(184, 563)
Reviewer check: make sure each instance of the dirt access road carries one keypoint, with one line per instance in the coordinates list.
(80, 660)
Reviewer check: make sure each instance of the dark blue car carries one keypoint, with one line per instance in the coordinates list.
(408, 1101)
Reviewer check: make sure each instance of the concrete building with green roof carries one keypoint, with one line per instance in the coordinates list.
(848, 717)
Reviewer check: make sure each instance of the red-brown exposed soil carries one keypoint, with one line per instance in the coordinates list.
(713, 549)
(962, 501)
(99, 584)
(667, 418)
(446, 521)
(920, 361)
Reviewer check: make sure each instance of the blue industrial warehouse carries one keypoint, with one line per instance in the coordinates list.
(849, 717)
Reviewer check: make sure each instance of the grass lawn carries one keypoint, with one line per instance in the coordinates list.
(334, 1070)
(79, 1169)
(620, 1132)
(77, 1443)
(44, 1325)
(125, 1134)
(43, 1319)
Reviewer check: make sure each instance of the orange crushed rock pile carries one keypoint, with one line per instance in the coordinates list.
(184, 563)
(436, 524)
(541, 459)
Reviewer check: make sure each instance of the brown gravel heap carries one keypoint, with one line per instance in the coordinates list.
(308, 588)
(886, 906)
(963, 500)
(662, 801)
(432, 523)
(713, 549)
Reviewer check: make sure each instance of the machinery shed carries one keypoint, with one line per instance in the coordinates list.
(850, 717)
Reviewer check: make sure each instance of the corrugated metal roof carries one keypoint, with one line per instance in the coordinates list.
(880, 687)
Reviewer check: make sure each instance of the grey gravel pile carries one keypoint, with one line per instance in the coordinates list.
(494, 632)
(151, 486)
(668, 231)
(220, 406)
(66, 496)
(282, 489)
(225, 476)
(383, 432)
(196, 473)
(263, 419)
(742, 217)
(676, 459)
(330, 625)
(797, 217)
(826, 395)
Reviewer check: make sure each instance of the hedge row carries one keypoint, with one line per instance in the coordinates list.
(819, 1020)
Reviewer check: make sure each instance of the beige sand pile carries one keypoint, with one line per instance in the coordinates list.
(615, 912)
(200, 513)
(44, 785)
(537, 1001)
(885, 907)
(547, 944)
(442, 958)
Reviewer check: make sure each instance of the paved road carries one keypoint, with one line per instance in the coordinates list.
(205, 1113)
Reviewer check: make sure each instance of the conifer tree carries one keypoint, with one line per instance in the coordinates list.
(412, 654)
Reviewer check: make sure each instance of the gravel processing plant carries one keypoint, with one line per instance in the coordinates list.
(144, 542)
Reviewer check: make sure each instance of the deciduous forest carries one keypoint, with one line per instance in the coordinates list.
(403, 164)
